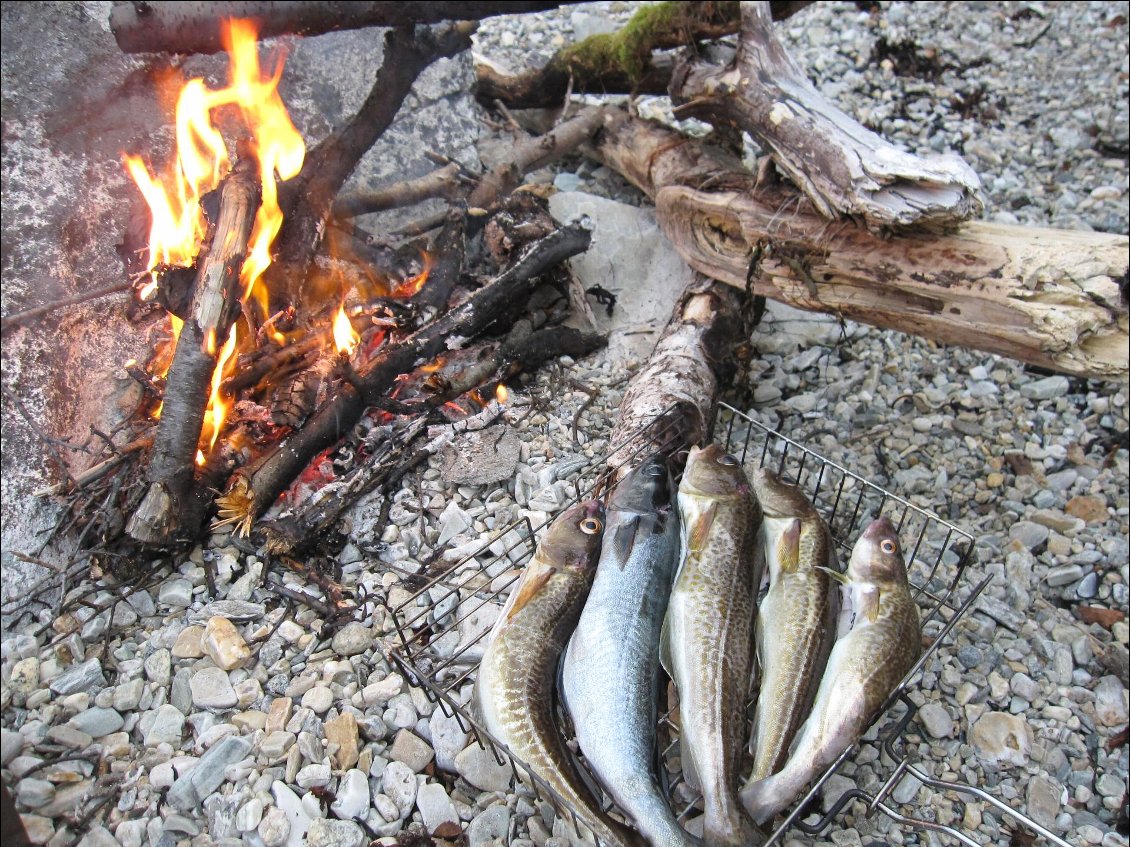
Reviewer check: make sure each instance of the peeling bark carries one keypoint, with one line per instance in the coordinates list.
(843, 167)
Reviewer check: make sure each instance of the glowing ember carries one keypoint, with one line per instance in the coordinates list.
(346, 338)
(413, 284)
(502, 393)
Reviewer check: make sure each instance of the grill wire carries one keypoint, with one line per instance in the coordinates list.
(443, 623)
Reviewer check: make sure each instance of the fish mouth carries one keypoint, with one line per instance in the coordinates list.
(878, 529)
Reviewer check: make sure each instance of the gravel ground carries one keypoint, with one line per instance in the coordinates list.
(219, 718)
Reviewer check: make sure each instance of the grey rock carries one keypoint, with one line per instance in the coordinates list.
(180, 824)
(352, 795)
(318, 699)
(452, 522)
(399, 783)
(1044, 798)
(1110, 701)
(180, 692)
(481, 457)
(969, 656)
(274, 828)
(448, 739)
(11, 743)
(479, 767)
(1063, 575)
(1088, 586)
(435, 806)
(351, 639)
(1047, 388)
(82, 677)
(493, 824)
(99, 836)
(313, 776)
(191, 789)
(34, 793)
(142, 602)
(1024, 686)
(331, 833)
(166, 728)
(69, 737)
(127, 695)
(834, 789)
(907, 789)
(236, 611)
(176, 593)
(936, 719)
(249, 815)
(212, 689)
(1031, 535)
(275, 745)
(97, 722)
(296, 814)
(158, 667)
(1001, 612)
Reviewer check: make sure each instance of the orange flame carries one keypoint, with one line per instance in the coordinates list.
(346, 338)
(502, 393)
(412, 285)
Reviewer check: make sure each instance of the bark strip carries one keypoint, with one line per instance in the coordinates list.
(255, 488)
(843, 167)
(173, 505)
(1044, 296)
(194, 27)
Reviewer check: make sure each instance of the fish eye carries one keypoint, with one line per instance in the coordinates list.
(655, 470)
(888, 546)
(590, 526)
(727, 460)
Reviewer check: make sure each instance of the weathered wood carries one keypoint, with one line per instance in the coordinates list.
(194, 27)
(173, 506)
(621, 62)
(442, 182)
(843, 167)
(669, 403)
(1044, 296)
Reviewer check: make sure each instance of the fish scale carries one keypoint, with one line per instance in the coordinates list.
(610, 673)
(796, 623)
(707, 633)
(514, 689)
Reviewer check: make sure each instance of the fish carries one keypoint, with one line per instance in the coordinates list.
(796, 620)
(706, 643)
(610, 674)
(865, 666)
(514, 692)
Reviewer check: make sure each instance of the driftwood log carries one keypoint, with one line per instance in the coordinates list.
(669, 403)
(255, 488)
(1047, 297)
(843, 167)
(194, 27)
(173, 505)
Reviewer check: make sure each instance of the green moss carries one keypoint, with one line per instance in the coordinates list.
(628, 51)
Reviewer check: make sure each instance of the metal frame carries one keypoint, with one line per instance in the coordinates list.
(937, 562)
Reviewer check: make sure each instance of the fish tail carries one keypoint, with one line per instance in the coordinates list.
(764, 798)
(729, 827)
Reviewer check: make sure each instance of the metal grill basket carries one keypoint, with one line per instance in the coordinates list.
(443, 623)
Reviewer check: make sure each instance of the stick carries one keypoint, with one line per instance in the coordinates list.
(179, 27)
(309, 197)
(28, 315)
(443, 182)
(173, 506)
(843, 167)
(1044, 296)
(255, 488)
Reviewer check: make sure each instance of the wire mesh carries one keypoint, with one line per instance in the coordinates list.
(444, 620)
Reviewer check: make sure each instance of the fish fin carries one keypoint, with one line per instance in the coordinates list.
(841, 578)
(699, 532)
(624, 539)
(665, 648)
(869, 604)
(788, 548)
(528, 588)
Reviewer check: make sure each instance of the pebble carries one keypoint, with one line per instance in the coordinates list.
(330, 833)
(436, 808)
(274, 828)
(1043, 801)
(189, 791)
(352, 639)
(352, 795)
(411, 750)
(297, 818)
(342, 732)
(399, 783)
(1110, 702)
(313, 776)
(34, 793)
(97, 722)
(479, 767)
(81, 677)
(176, 593)
(1045, 389)
(936, 719)
(448, 739)
(166, 728)
(492, 824)
(223, 644)
(1031, 535)
(212, 689)
(380, 692)
(1001, 740)
(318, 699)
(11, 743)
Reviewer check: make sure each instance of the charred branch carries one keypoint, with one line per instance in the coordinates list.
(255, 488)
(1044, 296)
(447, 182)
(173, 506)
(180, 27)
(621, 62)
(308, 199)
(843, 167)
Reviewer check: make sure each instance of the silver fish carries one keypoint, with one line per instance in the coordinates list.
(865, 666)
(707, 633)
(514, 691)
(796, 621)
(611, 667)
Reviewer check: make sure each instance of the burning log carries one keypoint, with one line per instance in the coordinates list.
(696, 357)
(255, 488)
(173, 505)
(309, 197)
(843, 168)
(1048, 297)
(621, 62)
(194, 27)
